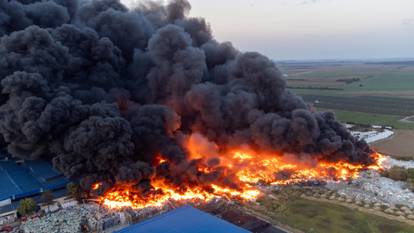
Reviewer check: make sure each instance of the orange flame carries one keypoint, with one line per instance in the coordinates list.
(247, 168)
(96, 186)
(122, 196)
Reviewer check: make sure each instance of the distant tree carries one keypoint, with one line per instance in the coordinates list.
(27, 206)
(74, 190)
(47, 197)
(410, 173)
(410, 184)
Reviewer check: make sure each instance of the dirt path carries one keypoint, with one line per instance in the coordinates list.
(409, 119)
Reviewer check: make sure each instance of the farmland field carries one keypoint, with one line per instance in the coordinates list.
(361, 93)
(380, 90)
(351, 79)
(368, 104)
(354, 117)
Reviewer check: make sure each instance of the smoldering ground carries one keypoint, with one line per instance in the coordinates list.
(100, 89)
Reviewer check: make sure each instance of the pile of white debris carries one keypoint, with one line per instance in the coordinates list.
(372, 187)
(390, 162)
(94, 217)
(68, 220)
(376, 133)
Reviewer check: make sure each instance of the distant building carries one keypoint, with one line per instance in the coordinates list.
(21, 179)
(184, 220)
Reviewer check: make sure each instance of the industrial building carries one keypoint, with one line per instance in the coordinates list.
(20, 179)
(184, 220)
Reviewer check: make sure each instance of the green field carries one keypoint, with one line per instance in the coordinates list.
(377, 80)
(362, 93)
(395, 81)
(401, 107)
(371, 119)
(312, 216)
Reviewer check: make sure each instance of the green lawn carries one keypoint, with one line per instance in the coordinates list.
(375, 80)
(335, 72)
(312, 216)
(388, 81)
(372, 119)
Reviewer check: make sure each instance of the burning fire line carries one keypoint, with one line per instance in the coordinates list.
(250, 169)
(122, 196)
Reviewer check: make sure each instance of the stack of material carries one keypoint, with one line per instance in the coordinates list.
(66, 220)
(72, 217)
(371, 187)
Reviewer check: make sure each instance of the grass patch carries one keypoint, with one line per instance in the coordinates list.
(395, 80)
(369, 104)
(312, 216)
(371, 119)
(376, 80)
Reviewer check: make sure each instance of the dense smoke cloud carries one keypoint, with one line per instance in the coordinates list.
(100, 89)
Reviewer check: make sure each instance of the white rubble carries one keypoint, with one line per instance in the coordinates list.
(390, 162)
(96, 217)
(373, 136)
(67, 220)
(348, 126)
(372, 187)
(377, 133)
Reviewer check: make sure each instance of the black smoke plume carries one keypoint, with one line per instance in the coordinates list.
(100, 89)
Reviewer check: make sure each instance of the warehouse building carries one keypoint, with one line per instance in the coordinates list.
(184, 220)
(21, 179)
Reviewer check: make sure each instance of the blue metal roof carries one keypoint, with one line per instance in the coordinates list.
(184, 220)
(28, 178)
(7, 186)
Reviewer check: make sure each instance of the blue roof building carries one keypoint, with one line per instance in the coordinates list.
(184, 220)
(24, 179)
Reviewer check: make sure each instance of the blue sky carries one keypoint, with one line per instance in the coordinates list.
(313, 29)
